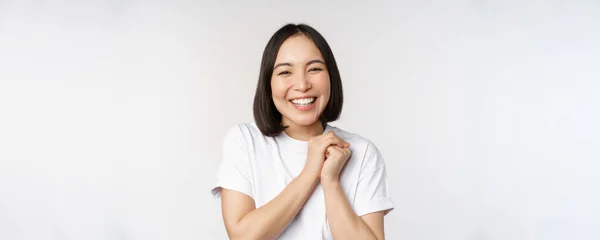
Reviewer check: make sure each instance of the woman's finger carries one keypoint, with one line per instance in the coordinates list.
(334, 140)
(347, 150)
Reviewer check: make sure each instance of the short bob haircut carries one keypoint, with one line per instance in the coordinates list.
(266, 115)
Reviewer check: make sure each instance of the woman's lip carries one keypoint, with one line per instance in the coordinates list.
(304, 108)
(302, 98)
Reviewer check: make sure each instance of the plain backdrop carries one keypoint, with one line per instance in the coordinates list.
(112, 112)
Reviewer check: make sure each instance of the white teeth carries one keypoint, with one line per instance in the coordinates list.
(303, 101)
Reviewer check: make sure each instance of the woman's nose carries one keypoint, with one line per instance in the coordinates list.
(301, 83)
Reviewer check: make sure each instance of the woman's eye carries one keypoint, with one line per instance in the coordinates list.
(284, 73)
(315, 69)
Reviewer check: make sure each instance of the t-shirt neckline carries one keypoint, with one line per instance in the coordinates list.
(296, 141)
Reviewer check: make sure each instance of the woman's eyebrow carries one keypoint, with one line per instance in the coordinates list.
(314, 61)
(282, 64)
(308, 63)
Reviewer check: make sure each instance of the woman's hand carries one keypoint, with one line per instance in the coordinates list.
(317, 148)
(334, 163)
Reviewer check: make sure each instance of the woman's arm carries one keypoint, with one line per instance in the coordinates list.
(343, 221)
(244, 221)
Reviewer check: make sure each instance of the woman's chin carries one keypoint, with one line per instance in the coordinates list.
(304, 121)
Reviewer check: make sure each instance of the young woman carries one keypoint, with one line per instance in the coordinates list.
(291, 175)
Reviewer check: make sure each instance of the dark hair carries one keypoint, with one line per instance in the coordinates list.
(266, 115)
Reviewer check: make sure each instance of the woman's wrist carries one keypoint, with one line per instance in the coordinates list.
(329, 180)
(312, 177)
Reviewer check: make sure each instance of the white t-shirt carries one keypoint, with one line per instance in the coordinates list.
(261, 167)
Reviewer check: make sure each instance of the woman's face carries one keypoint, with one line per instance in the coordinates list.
(300, 82)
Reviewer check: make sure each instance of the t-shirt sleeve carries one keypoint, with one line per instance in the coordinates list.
(372, 189)
(234, 172)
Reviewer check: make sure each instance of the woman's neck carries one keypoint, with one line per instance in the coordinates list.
(303, 133)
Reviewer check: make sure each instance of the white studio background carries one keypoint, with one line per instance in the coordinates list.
(112, 112)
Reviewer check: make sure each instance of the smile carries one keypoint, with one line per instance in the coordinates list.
(304, 104)
(303, 101)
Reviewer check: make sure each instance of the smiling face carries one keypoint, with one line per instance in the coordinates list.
(300, 82)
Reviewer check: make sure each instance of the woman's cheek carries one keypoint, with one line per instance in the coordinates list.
(278, 88)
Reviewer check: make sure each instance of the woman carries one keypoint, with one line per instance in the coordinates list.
(291, 175)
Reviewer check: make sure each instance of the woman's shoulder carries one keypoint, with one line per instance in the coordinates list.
(362, 147)
(243, 130)
(245, 134)
(353, 138)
